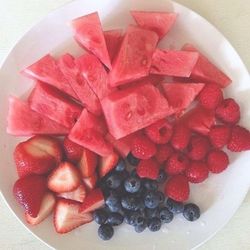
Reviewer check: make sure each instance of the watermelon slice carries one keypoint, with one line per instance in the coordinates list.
(52, 103)
(68, 65)
(46, 70)
(181, 95)
(134, 108)
(206, 71)
(159, 22)
(113, 40)
(95, 74)
(22, 121)
(173, 62)
(134, 58)
(89, 34)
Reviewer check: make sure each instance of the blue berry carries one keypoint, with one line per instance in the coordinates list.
(105, 232)
(150, 184)
(100, 216)
(151, 199)
(154, 224)
(162, 177)
(115, 219)
(165, 215)
(114, 181)
(133, 173)
(151, 213)
(141, 227)
(132, 184)
(132, 160)
(161, 196)
(191, 212)
(124, 174)
(121, 165)
(136, 218)
(113, 203)
(174, 206)
(131, 202)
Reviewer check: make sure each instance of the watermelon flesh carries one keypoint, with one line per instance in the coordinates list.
(134, 58)
(134, 108)
(46, 70)
(22, 121)
(173, 62)
(159, 22)
(50, 102)
(68, 65)
(206, 71)
(113, 40)
(88, 33)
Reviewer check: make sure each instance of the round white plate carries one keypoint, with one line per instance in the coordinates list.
(218, 197)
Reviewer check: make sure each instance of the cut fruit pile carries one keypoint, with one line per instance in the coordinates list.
(129, 131)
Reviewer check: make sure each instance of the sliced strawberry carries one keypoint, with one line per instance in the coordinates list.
(64, 178)
(90, 182)
(88, 163)
(78, 194)
(72, 150)
(67, 216)
(107, 164)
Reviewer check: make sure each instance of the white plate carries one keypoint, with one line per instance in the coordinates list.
(219, 197)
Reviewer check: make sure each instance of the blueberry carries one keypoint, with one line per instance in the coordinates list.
(114, 181)
(154, 224)
(121, 165)
(131, 202)
(162, 176)
(140, 228)
(150, 184)
(133, 173)
(105, 232)
(127, 215)
(113, 203)
(100, 216)
(165, 215)
(151, 213)
(151, 199)
(134, 218)
(115, 219)
(132, 160)
(132, 184)
(174, 206)
(191, 212)
(161, 197)
(124, 174)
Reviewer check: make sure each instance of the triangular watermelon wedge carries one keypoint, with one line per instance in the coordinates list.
(22, 121)
(159, 22)
(89, 34)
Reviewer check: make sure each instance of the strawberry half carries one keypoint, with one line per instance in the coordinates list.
(72, 150)
(107, 164)
(90, 182)
(78, 194)
(88, 163)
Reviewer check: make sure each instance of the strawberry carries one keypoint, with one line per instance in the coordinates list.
(163, 153)
(47, 206)
(160, 132)
(176, 164)
(67, 216)
(197, 172)
(228, 111)
(93, 201)
(142, 147)
(88, 163)
(177, 188)
(219, 135)
(78, 194)
(217, 161)
(107, 163)
(72, 150)
(181, 136)
(211, 96)
(90, 182)
(64, 178)
(29, 192)
(240, 139)
(148, 169)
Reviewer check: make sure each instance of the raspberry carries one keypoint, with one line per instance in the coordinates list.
(148, 169)
(219, 135)
(181, 136)
(211, 96)
(198, 147)
(176, 164)
(197, 172)
(163, 153)
(177, 188)
(159, 132)
(217, 161)
(228, 111)
(142, 147)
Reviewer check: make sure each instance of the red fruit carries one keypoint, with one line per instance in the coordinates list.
(211, 96)
(93, 201)
(90, 182)
(148, 169)
(67, 216)
(240, 139)
(160, 132)
(163, 153)
(29, 192)
(88, 163)
(197, 172)
(142, 147)
(219, 135)
(198, 147)
(177, 188)
(78, 194)
(176, 164)
(181, 136)
(217, 161)
(64, 178)
(72, 150)
(228, 111)
(47, 206)
(107, 164)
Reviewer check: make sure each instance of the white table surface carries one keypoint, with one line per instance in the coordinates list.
(232, 17)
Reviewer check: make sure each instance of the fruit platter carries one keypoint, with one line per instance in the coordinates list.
(124, 123)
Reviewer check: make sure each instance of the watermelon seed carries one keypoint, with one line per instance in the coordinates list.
(128, 116)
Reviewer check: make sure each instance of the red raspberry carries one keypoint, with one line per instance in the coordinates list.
(142, 147)
(177, 188)
(176, 164)
(198, 147)
(197, 172)
(148, 169)
(240, 139)
(228, 111)
(163, 153)
(219, 135)
(211, 96)
(181, 136)
(217, 161)
(160, 132)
